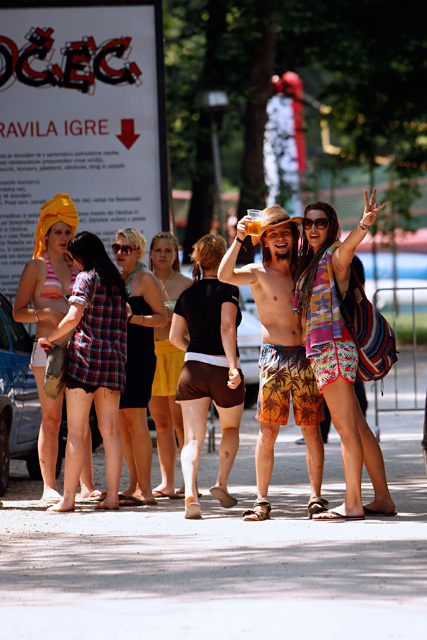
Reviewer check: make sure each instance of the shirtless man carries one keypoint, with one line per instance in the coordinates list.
(284, 367)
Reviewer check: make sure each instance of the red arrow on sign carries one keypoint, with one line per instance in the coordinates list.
(128, 136)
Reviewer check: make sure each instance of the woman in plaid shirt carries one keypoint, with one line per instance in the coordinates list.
(97, 317)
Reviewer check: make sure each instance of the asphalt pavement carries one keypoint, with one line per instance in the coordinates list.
(146, 571)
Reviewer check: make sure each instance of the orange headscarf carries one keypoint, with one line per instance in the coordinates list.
(60, 208)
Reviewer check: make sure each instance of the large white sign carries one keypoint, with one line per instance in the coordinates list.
(79, 114)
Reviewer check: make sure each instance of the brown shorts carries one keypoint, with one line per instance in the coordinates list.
(286, 370)
(202, 380)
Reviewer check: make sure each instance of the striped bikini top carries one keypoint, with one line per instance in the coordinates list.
(52, 287)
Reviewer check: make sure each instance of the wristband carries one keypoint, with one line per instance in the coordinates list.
(35, 313)
(364, 227)
(238, 239)
(130, 318)
(233, 370)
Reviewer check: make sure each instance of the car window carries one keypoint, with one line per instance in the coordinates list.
(20, 339)
(4, 340)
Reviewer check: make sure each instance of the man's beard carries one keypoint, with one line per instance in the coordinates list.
(282, 256)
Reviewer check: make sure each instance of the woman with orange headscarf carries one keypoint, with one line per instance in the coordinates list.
(46, 281)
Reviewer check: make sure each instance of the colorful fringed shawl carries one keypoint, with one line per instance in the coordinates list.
(323, 316)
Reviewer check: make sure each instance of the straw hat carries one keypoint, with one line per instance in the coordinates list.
(273, 217)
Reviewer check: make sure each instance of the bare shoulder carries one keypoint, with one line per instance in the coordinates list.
(182, 280)
(35, 269)
(256, 270)
(145, 283)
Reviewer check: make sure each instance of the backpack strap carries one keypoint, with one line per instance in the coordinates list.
(344, 311)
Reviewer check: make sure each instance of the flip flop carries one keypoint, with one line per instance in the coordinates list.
(330, 516)
(224, 498)
(373, 512)
(131, 501)
(95, 496)
(192, 509)
(178, 495)
(160, 494)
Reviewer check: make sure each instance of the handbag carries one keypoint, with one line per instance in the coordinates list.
(57, 361)
(374, 337)
(55, 375)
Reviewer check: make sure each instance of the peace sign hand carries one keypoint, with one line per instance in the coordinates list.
(371, 209)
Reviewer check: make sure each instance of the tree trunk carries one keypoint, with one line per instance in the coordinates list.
(203, 180)
(253, 190)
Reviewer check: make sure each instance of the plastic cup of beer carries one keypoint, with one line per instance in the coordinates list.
(254, 224)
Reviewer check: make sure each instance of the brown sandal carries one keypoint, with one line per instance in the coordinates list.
(316, 505)
(257, 513)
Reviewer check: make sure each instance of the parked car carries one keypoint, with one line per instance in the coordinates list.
(20, 412)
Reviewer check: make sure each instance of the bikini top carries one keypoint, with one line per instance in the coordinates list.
(170, 304)
(139, 267)
(52, 287)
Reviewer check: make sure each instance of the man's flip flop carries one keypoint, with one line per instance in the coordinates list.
(373, 512)
(224, 498)
(333, 516)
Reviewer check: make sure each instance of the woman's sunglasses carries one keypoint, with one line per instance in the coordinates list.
(319, 223)
(125, 249)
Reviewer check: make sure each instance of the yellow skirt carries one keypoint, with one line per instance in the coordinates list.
(169, 364)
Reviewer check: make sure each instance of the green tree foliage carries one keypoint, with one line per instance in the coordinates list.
(366, 60)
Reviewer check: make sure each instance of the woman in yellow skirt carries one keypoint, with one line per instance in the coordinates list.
(166, 413)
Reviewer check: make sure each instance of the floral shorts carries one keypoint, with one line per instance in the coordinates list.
(286, 371)
(338, 358)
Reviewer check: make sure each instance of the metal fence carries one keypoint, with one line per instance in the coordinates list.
(401, 390)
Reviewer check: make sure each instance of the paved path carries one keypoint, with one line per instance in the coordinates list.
(148, 572)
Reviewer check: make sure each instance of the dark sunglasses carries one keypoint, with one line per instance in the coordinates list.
(319, 223)
(125, 249)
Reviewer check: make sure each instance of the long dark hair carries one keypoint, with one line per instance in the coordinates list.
(88, 249)
(308, 260)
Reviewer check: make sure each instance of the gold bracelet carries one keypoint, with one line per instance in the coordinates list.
(233, 370)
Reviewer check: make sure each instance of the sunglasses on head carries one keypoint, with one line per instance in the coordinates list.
(319, 223)
(125, 249)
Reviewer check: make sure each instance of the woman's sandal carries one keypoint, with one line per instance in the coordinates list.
(257, 513)
(192, 509)
(316, 505)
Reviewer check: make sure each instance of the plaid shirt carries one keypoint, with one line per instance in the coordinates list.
(98, 344)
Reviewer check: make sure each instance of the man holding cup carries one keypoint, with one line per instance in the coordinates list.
(284, 369)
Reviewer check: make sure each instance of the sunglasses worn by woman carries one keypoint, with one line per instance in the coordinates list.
(125, 249)
(319, 223)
